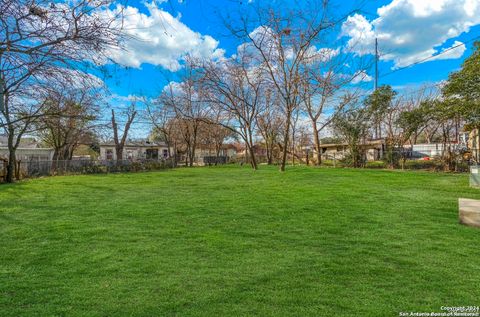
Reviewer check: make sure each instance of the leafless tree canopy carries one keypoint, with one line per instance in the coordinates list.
(68, 119)
(120, 140)
(286, 46)
(42, 43)
(290, 64)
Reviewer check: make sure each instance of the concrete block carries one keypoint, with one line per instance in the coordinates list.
(469, 212)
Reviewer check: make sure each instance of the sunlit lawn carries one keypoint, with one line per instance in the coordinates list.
(228, 241)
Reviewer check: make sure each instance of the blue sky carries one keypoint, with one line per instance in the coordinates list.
(203, 17)
(408, 30)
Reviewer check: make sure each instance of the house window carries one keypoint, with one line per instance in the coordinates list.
(151, 154)
(109, 154)
(165, 153)
(129, 155)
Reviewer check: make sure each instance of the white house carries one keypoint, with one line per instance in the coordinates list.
(135, 150)
(28, 150)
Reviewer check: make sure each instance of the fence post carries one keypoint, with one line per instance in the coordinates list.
(4, 168)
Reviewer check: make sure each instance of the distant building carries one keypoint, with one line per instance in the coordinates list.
(258, 149)
(207, 154)
(29, 150)
(467, 142)
(135, 150)
(427, 150)
(374, 150)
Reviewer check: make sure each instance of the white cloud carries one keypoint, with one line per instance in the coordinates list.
(126, 99)
(322, 54)
(409, 31)
(361, 76)
(455, 51)
(160, 39)
(360, 31)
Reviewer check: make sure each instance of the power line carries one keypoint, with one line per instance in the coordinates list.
(430, 57)
(421, 89)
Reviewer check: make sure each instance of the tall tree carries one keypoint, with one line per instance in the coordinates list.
(330, 82)
(352, 126)
(464, 87)
(160, 114)
(378, 104)
(41, 41)
(269, 123)
(68, 120)
(186, 98)
(283, 41)
(236, 89)
(120, 141)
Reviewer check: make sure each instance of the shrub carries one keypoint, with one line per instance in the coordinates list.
(433, 165)
(376, 164)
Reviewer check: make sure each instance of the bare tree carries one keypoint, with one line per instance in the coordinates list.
(120, 142)
(160, 114)
(186, 98)
(68, 119)
(40, 41)
(270, 125)
(283, 41)
(327, 87)
(427, 127)
(236, 90)
(215, 134)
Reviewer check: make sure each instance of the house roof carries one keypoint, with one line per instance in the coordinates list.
(369, 142)
(226, 146)
(141, 143)
(25, 143)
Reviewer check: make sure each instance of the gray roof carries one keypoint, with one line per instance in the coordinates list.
(142, 143)
(25, 143)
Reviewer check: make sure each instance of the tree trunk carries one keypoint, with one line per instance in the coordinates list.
(253, 160)
(175, 154)
(119, 144)
(318, 148)
(285, 143)
(12, 160)
(293, 147)
(191, 155)
(55, 158)
(119, 154)
(269, 155)
(217, 153)
(251, 149)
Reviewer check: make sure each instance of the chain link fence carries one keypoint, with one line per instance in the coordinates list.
(30, 169)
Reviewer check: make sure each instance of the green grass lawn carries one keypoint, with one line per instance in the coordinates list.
(228, 241)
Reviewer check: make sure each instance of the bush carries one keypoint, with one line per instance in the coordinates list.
(432, 165)
(331, 163)
(354, 160)
(376, 164)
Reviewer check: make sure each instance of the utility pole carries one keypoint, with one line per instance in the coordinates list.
(376, 63)
(2, 94)
(377, 128)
